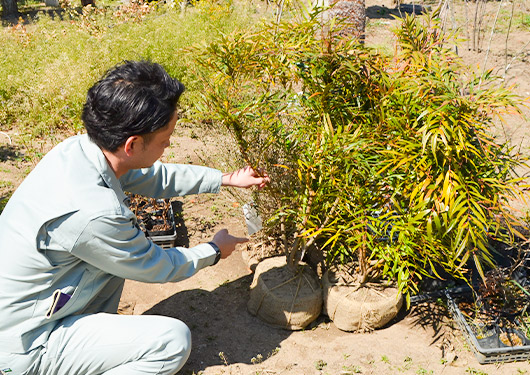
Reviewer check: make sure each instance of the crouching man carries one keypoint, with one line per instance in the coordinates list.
(68, 239)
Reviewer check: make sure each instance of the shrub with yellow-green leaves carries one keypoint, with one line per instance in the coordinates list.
(384, 161)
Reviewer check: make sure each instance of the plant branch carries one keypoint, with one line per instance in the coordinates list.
(489, 43)
(279, 16)
(369, 270)
(515, 56)
(506, 40)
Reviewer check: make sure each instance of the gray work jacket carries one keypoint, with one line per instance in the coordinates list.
(68, 229)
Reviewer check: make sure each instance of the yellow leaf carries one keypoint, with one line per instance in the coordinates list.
(478, 264)
(429, 227)
(328, 126)
(446, 190)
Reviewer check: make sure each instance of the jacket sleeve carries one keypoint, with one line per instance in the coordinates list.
(170, 180)
(116, 246)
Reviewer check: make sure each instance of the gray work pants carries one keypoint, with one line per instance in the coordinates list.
(107, 344)
(100, 342)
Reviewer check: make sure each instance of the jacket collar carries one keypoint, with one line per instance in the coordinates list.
(97, 158)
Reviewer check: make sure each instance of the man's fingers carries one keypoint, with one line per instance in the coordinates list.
(240, 239)
(264, 182)
(246, 177)
(222, 236)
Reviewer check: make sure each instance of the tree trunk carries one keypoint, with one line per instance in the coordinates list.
(9, 9)
(352, 13)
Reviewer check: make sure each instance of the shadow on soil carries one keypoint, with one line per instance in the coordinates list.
(30, 13)
(219, 322)
(8, 152)
(430, 316)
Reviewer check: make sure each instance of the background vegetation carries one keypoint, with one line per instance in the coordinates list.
(48, 63)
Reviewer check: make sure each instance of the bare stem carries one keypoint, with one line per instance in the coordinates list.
(279, 16)
(506, 40)
(489, 43)
(466, 8)
(475, 47)
(515, 56)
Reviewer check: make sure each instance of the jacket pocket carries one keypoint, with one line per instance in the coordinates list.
(69, 300)
(59, 300)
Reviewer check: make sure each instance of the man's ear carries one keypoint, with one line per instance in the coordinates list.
(133, 143)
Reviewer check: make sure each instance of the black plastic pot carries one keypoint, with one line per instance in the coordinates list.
(163, 238)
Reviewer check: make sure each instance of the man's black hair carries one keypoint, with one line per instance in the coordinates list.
(132, 98)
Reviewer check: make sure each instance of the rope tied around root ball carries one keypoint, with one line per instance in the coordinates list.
(299, 276)
(290, 304)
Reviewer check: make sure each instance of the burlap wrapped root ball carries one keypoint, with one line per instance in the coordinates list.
(357, 309)
(283, 298)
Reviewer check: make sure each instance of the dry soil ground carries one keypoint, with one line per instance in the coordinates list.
(228, 340)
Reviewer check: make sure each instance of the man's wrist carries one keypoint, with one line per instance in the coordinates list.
(225, 179)
(217, 252)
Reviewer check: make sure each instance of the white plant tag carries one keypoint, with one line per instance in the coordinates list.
(253, 220)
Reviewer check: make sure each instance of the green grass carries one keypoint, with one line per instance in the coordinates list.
(48, 64)
(472, 371)
(5, 184)
(520, 20)
(525, 20)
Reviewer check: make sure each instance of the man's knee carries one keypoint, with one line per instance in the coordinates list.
(176, 342)
(181, 336)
